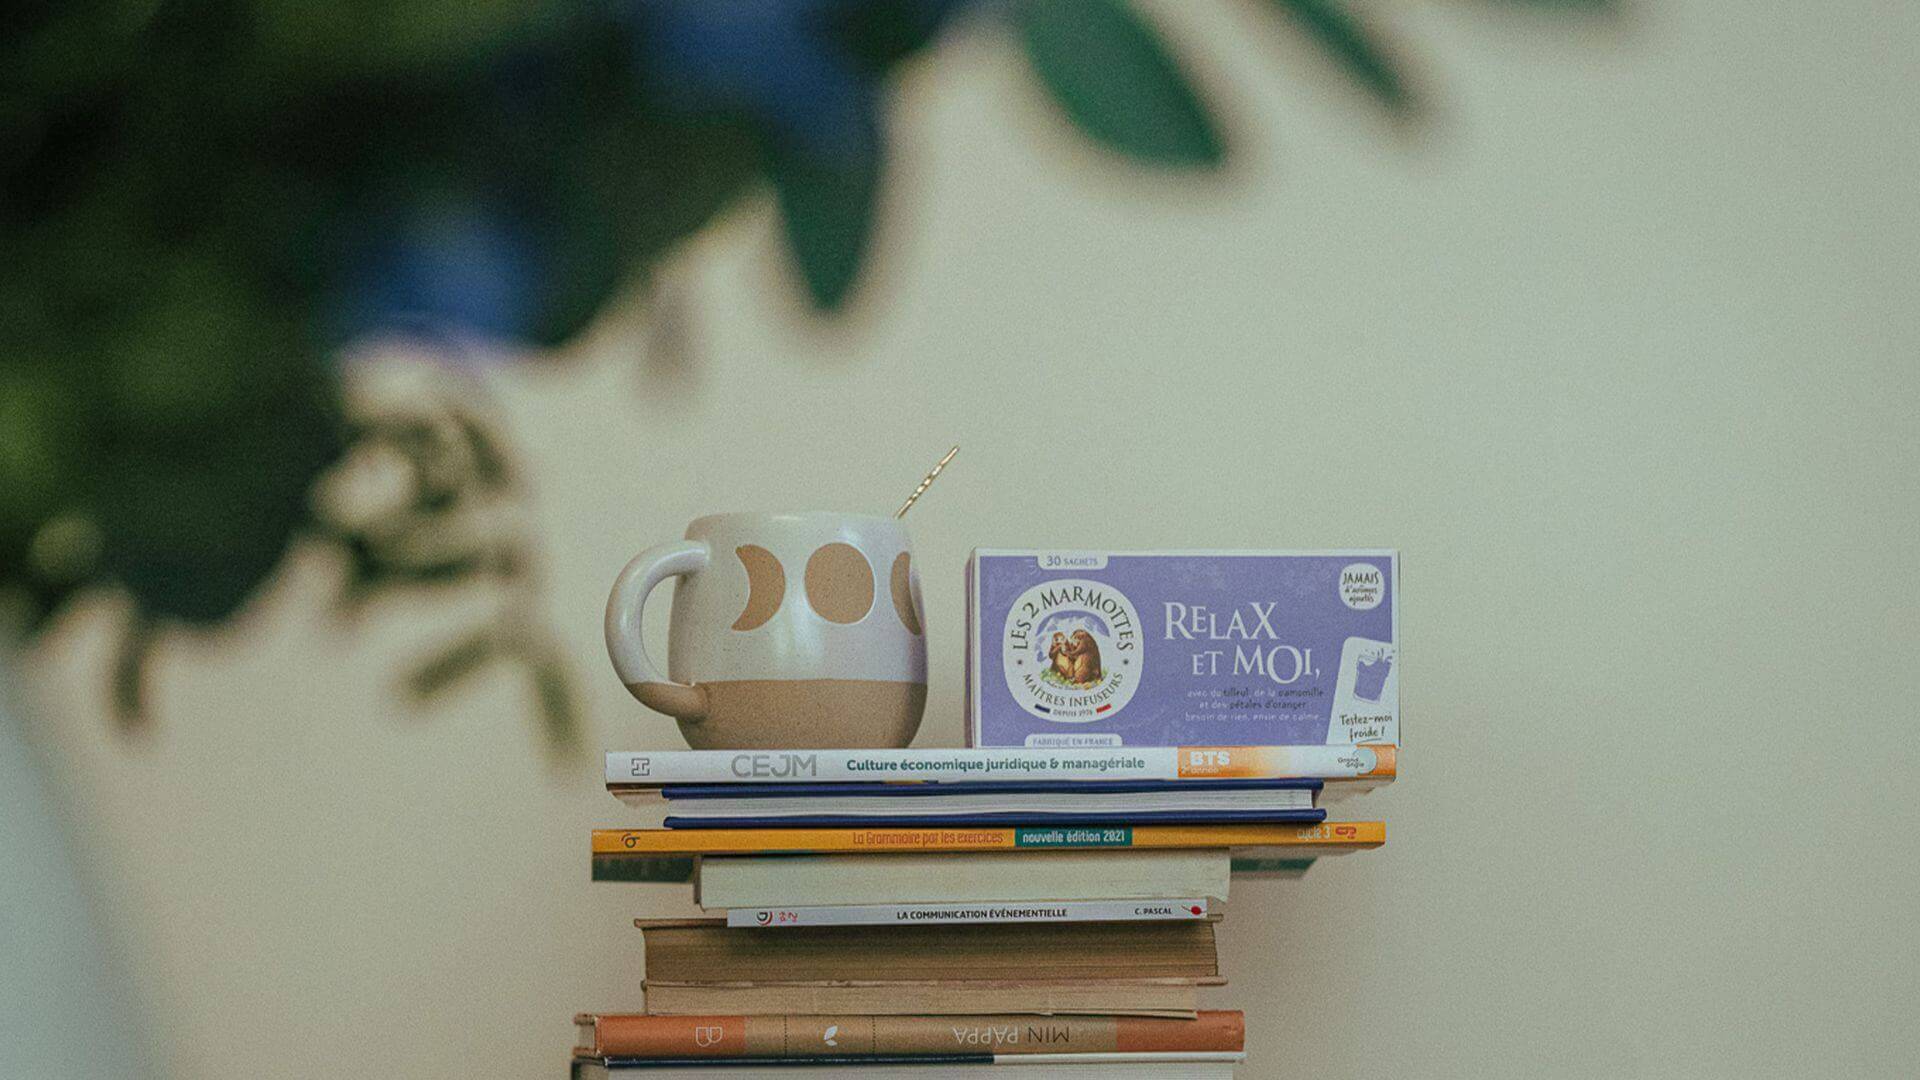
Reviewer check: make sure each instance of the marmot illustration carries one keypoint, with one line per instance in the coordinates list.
(1086, 657)
(1062, 659)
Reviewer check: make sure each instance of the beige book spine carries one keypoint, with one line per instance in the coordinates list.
(1109, 999)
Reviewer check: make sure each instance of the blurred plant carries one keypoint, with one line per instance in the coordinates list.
(201, 201)
(426, 501)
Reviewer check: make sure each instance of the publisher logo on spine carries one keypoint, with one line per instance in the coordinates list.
(1072, 650)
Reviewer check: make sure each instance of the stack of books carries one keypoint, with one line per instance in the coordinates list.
(921, 913)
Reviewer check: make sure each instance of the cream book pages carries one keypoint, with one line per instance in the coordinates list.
(765, 881)
(1170, 998)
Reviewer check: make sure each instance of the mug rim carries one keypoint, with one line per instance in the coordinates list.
(811, 516)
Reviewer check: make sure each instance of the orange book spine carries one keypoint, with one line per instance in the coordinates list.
(1328, 837)
(1253, 762)
(845, 1036)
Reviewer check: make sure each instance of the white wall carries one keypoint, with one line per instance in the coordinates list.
(1621, 354)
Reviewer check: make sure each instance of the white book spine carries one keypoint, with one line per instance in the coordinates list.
(1042, 911)
(657, 767)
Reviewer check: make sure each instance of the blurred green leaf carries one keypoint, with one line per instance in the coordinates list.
(130, 672)
(1356, 48)
(491, 466)
(827, 207)
(453, 664)
(881, 35)
(71, 47)
(340, 39)
(559, 709)
(1117, 83)
(26, 607)
(193, 520)
(40, 435)
(660, 178)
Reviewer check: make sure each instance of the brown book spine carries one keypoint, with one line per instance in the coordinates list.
(845, 1036)
(708, 951)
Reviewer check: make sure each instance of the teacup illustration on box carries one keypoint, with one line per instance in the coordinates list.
(799, 629)
(1370, 675)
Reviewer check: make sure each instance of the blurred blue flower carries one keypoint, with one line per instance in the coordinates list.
(475, 259)
(443, 269)
(795, 66)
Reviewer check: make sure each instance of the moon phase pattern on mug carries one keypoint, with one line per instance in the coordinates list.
(766, 586)
(901, 586)
(840, 583)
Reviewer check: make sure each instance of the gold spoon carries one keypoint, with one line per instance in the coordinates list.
(924, 484)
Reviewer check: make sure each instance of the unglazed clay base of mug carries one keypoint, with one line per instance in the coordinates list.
(670, 698)
(776, 714)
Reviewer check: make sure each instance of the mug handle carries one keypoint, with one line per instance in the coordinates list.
(624, 644)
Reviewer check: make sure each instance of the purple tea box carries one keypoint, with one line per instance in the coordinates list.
(1182, 648)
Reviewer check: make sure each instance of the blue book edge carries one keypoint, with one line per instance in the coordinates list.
(996, 820)
(914, 788)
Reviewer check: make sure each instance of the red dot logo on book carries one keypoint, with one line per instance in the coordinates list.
(1195, 909)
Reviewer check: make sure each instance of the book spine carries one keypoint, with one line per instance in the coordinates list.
(883, 1036)
(814, 1062)
(978, 819)
(1328, 836)
(1045, 911)
(1273, 867)
(658, 768)
(968, 692)
(1104, 998)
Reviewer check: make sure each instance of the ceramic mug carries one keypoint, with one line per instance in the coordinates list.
(788, 630)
